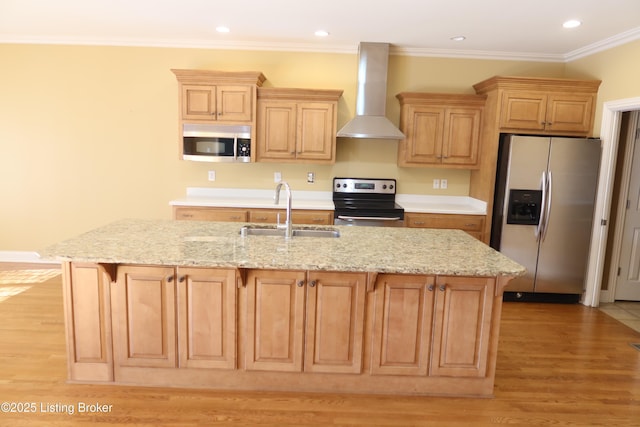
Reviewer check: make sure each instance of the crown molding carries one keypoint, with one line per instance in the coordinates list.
(611, 42)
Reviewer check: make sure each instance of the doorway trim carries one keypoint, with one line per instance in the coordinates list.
(610, 135)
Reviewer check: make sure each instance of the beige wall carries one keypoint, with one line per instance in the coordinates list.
(619, 70)
(89, 135)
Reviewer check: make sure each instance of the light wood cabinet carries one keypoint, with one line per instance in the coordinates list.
(227, 328)
(299, 216)
(144, 322)
(472, 224)
(553, 113)
(425, 325)
(269, 216)
(527, 105)
(207, 301)
(402, 325)
(218, 96)
(298, 321)
(462, 326)
(217, 103)
(87, 309)
(193, 213)
(297, 125)
(440, 130)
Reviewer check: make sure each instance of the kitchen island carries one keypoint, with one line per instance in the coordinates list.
(196, 304)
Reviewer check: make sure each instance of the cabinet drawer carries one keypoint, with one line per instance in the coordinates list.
(210, 214)
(461, 222)
(298, 216)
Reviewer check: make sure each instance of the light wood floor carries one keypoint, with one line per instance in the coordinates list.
(558, 365)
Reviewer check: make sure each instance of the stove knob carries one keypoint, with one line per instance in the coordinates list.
(391, 187)
(384, 186)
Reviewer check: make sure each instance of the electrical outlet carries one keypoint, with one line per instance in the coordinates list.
(311, 177)
(212, 175)
(436, 183)
(277, 177)
(443, 184)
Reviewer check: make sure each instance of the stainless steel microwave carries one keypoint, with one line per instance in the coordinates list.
(216, 143)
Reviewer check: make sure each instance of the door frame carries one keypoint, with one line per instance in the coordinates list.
(609, 295)
(610, 135)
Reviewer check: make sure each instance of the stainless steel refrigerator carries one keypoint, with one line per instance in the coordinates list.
(543, 212)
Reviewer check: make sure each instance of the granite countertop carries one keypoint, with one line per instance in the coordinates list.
(322, 200)
(219, 244)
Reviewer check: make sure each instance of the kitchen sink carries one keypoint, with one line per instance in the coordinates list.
(257, 230)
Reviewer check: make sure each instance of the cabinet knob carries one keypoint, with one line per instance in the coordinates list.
(313, 283)
(300, 283)
(182, 279)
(430, 288)
(170, 279)
(442, 288)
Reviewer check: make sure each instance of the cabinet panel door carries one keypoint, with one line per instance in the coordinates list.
(461, 136)
(402, 325)
(335, 322)
(423, 135)
(523, 110)
(316, 134)
(88, 319)
(462, 326)
(570, 113)
(198, 102)
(275, 320)
(234, 103)
(207, 318)
(276, 130)
(144, 322)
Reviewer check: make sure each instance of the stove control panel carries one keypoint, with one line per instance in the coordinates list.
(364, 185)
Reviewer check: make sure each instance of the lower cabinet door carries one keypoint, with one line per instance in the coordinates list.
(144, 323)
(462, 326)
(402, 325)
(88, 319)
(207, 318)
(275, 320)
(334, 322)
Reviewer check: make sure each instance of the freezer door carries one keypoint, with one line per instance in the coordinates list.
(564, 248)
(528, 160)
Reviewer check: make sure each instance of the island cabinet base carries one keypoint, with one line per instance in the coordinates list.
(282, 330)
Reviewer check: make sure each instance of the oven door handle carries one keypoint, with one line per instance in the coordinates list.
(376, 218)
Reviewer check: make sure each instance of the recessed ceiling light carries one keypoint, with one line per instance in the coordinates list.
(222, 29)
(321, 33)
(572, 23)
(458, 38)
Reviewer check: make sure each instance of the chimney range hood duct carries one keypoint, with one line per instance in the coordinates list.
(370, 120)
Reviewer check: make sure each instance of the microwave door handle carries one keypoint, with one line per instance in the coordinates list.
(235, 147)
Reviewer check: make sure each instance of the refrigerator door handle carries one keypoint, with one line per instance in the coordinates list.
(543, 204)
(547, 208)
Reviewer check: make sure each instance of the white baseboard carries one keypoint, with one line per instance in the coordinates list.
(24, 257)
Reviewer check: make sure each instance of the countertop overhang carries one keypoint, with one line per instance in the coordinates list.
(219, 244)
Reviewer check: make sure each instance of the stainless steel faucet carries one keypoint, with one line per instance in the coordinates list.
(288, 226)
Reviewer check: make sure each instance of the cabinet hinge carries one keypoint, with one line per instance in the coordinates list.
(603, 222)
(619, 270)
(628, 203)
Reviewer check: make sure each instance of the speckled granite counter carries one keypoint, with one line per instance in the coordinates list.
(219, 244)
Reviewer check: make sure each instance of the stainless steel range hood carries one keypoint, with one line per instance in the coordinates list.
(370, 120)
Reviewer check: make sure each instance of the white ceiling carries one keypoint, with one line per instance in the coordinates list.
(507, 29)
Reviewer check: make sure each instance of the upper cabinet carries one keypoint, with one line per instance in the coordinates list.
(543, 106)
(297, 125)
(218, 96)
(440, 129)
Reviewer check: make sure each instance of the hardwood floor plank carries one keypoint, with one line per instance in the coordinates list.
(560, 365)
